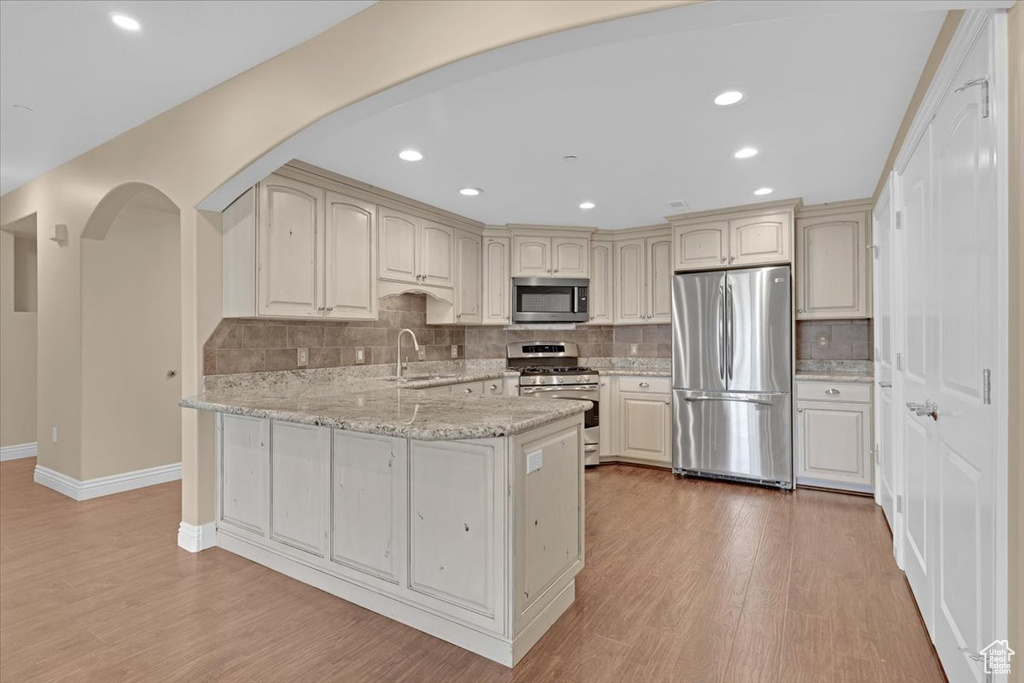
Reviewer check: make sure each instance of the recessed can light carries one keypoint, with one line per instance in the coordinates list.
(470, 191)
(125, 22)
(410, 155)
(745, 153)
(728, 97)
(761, 191)
(587, 205)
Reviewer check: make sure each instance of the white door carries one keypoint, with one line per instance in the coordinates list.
(885, 470)
(437, 248)
(497, 283)
(659, 279)
(468, 286)
(290, 215)
(965, 294)
(397, 257)
(531, 256)
(571, 256)
(602, 283)
(350, 270)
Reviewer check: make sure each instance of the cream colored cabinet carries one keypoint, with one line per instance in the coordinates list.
(494, 387)
(300, 486)
(833, 435)
(606, 418)
(700, 246)
(602, 283)
(758, 240)
(833, 266)
(414, 250)
(539, 256)
(644, 426)
(469, 389)
(350, 269)
(497, 282)
(468, 305)
(291, 216)
(643, 280)
(733, 238)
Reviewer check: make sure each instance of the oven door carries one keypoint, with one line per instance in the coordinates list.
(591, 419)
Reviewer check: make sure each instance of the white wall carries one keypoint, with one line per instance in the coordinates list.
(131, 337)
(17, 348)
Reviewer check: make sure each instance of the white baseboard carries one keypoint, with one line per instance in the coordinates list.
(197, 538)
(104, 486)
(16, 452)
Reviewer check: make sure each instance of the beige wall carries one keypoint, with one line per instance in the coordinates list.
(131, 337)
(17, 356)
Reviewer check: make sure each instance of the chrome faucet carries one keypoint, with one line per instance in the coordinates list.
(398, 350)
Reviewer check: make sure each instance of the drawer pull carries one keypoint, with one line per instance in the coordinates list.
(468, 390)
(644, 385)
(494, 387)
(831, 392)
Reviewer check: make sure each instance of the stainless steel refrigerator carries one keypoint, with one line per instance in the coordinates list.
(732, 375)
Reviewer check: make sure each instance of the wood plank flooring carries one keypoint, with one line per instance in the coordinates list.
(685, 581)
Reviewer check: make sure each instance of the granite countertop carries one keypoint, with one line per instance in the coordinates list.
(835, 371)
(632, 367)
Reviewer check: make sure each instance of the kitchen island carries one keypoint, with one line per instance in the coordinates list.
(458, 516)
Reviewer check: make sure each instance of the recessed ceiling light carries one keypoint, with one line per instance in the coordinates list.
(470, 191)
(728, 97)
(587, 205)
(763, 191)
(125, 22)
(745, 153)
(410, 155)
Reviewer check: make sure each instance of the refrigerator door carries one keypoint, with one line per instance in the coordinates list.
(759, 330)
(733, 434)
(698, 331)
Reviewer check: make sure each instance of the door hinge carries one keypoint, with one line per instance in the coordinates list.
(986, 384)
(983, 82)
(899, 361)
(899, 503)
(899, 220)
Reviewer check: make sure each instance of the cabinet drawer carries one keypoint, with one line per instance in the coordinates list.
(468, 389)
(494, 387)
(443, 389)
(647, 385)
(845, 392)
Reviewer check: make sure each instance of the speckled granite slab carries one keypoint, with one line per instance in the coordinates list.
(836, 370)
(635, 367)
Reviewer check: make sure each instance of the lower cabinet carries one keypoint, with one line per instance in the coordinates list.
(641, 421)
(833, 436)
(299, 485)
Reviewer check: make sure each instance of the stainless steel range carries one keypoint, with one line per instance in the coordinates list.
(550, 370)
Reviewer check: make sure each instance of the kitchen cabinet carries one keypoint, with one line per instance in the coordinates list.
(497, 282)
(645, 427)
(833, 435)
(758, 240)
(436, 249)
(468, 253)
(468, 389)
(539, 256)
(733, 238)
(494, 387)
(350, 270)
(702, 245)
(643, 280)
(413, 250)
(602, 283)
(832, 266)
(606, 419)
(290, 218)
(299, 486)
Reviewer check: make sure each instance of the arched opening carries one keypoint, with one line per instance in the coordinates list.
(18, 338)
(131, 333)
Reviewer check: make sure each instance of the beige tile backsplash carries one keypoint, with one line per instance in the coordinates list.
(846, 340)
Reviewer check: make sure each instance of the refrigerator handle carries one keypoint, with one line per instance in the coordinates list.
(721, 332)
(730, 328)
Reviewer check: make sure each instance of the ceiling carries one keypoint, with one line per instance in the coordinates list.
(825, 96)
(70, 79)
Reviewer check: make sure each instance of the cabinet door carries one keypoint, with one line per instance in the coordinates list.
(630, 298)
(659, 279)
(571, 256)
(300, 485)
(832, 442)
(350, 268)
(244, 460)
(702, 246)
(531, 256)
(761, 239)
(437, 248)
(467, 290)
(290, 217)
(645, 427)
(497, 283)
(831, 257)
(397, 250)
(602, 283)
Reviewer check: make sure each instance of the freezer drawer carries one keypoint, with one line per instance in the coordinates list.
(733, 434)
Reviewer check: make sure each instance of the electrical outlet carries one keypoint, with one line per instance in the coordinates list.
(421, 354)
(823, 341)
(455, 350)
(303, 359)
(360, 354)
(634, 349)
(53, 434)
(534, 461)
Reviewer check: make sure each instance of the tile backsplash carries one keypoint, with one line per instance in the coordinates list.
(653, 341)
(844, 340)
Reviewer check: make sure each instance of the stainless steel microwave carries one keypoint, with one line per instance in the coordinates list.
(550, 300)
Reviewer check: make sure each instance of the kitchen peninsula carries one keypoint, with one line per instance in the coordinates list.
(458, 515)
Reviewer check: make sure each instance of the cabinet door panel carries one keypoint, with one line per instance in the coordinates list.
(531, 256)
(832, 441)
(437, 246)
(350, 273)
(397, 251)
(571, 256)
(468, 285)
(496, 281)
(299, 485)
(289, 220)
(630, 278)
(832, 262)
(659, 280)
(761, 239)
(245, 456)
(644, 427)
(702, 245)
(602, 283)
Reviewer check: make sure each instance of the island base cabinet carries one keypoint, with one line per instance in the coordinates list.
(476, 542)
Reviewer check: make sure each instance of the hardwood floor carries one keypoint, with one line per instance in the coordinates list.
(685, 581)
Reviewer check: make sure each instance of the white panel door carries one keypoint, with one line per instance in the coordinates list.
(570, 257)
(468, 307)
(602, 283)
(397, 252)
(350, 269)
(630, 282)
(437, 254)
(965, 296)
(762, 239)
(497, 284)
(885, 472)
(659, 279)
(531, 256)
(245, 457)
(291, 214)
(300, 485)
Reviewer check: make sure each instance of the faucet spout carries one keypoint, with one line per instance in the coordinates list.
(398, 349)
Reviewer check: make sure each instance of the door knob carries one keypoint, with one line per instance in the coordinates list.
(926, 409)
(172, 373)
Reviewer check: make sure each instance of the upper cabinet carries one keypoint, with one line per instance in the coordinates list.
(540, 256)
(602, 283)
(350, 272)
(468, 305)
(832, 274)
(415, 251)
(643, 279)
(733, 238)
(291, 215)
(437, 243)
(497, 281)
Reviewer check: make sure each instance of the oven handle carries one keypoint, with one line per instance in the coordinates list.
(560, 389)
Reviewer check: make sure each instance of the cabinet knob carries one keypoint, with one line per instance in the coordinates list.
(494, 387)
(723, 259)
(831, 392)
(468, 390)
(644, 385)
(799, 310)
(799, 410)
(556, 270)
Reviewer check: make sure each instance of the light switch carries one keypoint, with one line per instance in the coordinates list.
(634, 349)
(53, 434)
(534, 461)
(360, 354)
(303, 359)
